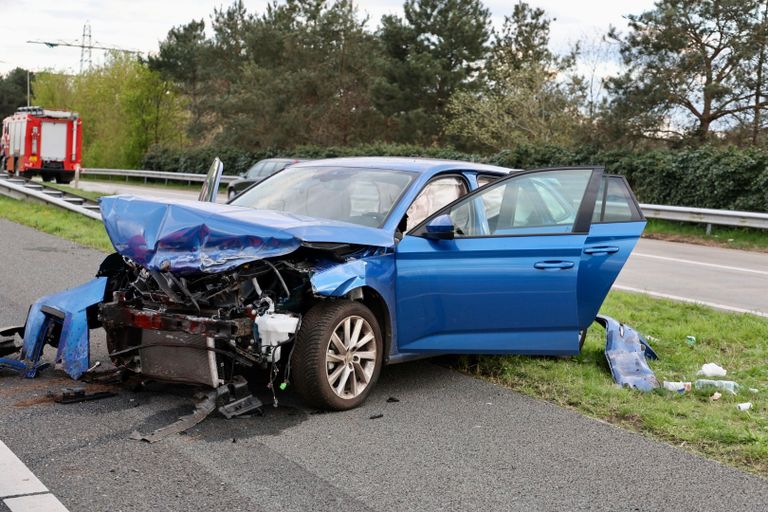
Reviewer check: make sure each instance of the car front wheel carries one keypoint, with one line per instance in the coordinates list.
(338, 355)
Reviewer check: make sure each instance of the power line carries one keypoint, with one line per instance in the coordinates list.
(86, 46)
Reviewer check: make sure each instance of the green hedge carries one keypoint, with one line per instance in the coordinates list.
(706, 177)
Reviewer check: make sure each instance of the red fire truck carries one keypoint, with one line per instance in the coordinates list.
(39, 141)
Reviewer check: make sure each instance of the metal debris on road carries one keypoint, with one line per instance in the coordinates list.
(77, 395)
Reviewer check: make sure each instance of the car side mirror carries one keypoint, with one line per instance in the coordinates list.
(440, 228)
(211, 184)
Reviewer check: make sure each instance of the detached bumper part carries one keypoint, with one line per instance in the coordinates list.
(60, 320)
(627, 352)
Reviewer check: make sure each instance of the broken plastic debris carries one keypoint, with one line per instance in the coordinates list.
(712, 370)
(679, 387)
(726, 385)
(752, 390)
(715, 396)
(392, 400)
(745, 406)
(376, 416)
(690, 340)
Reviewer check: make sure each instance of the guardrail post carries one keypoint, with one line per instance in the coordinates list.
(709, 229)
(77, 176)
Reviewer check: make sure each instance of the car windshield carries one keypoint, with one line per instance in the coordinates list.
(359, 196)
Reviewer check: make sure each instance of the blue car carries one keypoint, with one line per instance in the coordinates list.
(327, 271)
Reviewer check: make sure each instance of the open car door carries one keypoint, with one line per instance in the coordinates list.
(498, 271)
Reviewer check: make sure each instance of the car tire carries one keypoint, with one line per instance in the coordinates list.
(46, 177)
(329, 376)
(63, 180)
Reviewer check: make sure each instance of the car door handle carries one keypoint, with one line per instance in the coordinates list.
(601, 249)
(553, 265)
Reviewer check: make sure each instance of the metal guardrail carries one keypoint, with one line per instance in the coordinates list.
(706, 216)
(189, 177)
(19, 188)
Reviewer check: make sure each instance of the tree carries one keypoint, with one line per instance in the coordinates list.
(125, 108)
(531, 94)
(433, 52)
(305, 79)
(689, 63)
(13, 91)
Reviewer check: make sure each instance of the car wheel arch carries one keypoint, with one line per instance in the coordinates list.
(374, 301)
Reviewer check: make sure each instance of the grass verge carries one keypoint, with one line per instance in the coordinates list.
(56, 221)
(721, 236)
(716, 429)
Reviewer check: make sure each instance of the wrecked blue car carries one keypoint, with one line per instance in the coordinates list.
(325, 272)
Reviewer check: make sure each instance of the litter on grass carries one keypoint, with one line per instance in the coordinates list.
(726, 385)
(679, 387)
(712, 370)
(715, 396)
(745, 406)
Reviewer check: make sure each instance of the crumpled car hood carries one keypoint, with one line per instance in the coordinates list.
(190, 236)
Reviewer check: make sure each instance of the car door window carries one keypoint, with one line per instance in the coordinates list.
(436, 194)
(255, 171)
(269, 169)
(615, 202)
(545, 202)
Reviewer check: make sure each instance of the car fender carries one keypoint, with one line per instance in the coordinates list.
(344, 279)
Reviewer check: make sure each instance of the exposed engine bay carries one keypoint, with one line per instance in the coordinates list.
(205, 328)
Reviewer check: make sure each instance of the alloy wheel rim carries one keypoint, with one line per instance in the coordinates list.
(350, 358)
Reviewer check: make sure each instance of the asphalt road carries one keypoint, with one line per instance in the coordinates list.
(722, 278)
(451, 443)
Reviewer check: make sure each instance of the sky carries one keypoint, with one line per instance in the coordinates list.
(141, 24)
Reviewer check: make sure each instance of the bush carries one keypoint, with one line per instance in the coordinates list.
(706, 177)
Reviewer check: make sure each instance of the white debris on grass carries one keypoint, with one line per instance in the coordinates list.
(712, 370)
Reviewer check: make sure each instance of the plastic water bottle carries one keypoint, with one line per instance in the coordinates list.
(726, 385)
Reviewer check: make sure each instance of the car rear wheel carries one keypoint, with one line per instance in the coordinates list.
(63, 179)
(338, 355)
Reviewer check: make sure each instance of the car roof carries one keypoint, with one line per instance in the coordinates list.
(420, 165)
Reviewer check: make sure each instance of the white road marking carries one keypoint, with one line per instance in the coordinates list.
(690, 300)
(15, 477)
(35, 503)
(21, 488)
(703, 264)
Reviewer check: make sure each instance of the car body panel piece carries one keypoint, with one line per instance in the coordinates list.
(627, 352)
(61, 319)
(206, 237)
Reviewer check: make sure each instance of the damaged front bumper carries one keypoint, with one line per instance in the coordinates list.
(62, 321)
(627, 353)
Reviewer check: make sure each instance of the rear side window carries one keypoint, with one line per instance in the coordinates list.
(615, 202)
